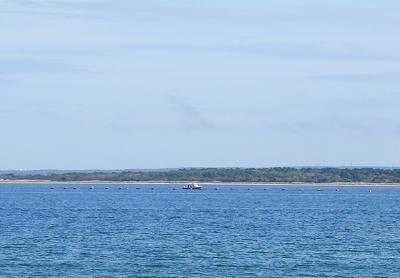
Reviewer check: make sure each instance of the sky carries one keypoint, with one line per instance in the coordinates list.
(118, 84)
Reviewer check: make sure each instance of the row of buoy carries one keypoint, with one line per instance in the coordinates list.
(216, 188)
(119, 188)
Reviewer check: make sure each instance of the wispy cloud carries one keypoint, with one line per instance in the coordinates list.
(290, 51)
(191, 117)
(379, 78)
(266, 50)
(6, 80)
(171, 13)
(39, 8)
(137, 9)
(365, 125)
(34, 66)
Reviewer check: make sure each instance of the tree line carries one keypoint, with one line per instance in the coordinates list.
(262, 175)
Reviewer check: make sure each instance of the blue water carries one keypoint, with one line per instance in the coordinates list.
(222, 231)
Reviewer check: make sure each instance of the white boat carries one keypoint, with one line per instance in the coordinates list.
(193, 186)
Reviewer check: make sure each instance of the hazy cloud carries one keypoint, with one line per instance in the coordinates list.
(278, 78)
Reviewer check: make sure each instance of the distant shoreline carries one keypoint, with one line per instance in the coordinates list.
(361, 184)
(247, 176)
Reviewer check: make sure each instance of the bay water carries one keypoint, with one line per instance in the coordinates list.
(138, 230)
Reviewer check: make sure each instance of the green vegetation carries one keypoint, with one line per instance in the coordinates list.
(265, 175)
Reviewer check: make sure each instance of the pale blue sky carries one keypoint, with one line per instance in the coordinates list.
(150, 84)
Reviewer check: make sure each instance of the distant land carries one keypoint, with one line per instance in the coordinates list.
(378, 175)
